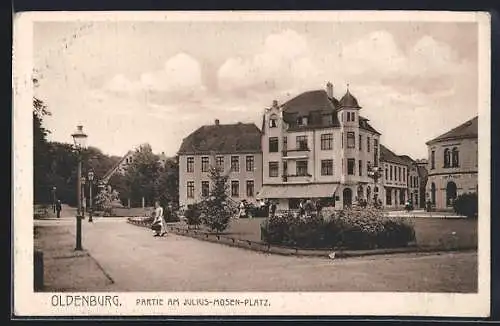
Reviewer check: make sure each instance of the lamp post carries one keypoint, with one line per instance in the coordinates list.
(84, 202)
(79, 138)
(54, 198)
(90, 176)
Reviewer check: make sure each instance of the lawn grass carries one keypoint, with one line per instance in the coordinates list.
(438, 233)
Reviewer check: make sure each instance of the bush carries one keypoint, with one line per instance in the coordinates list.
(358, 228)
(193, 215)
(466, 204)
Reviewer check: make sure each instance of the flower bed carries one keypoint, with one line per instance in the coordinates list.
(357, 228)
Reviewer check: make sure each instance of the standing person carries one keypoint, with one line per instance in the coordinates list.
(242, 212)
(302, 208)
(319, 207)
(159, 219)
(272, 209)
(58, 208)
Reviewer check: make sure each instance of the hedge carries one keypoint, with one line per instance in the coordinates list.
(356, 228)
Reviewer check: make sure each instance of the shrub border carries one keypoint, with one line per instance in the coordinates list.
(288, 251)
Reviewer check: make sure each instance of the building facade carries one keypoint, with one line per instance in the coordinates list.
(396, 174)
(233, 147)
(317, 147)
(453, 164)
(423, 176)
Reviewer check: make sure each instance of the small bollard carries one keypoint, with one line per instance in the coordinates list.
(38, 270)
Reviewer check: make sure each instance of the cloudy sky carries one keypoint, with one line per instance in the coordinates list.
(134, 82)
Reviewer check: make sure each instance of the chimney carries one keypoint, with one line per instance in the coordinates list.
(329, 89)
(216, 122)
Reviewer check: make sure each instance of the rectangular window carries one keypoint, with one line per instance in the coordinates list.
(250, 163)
(399, 173)
(360, 142)
(273, 169)
(351, 139)
(404, 174)
(342, 140)
(219, 161)
(285, 143)
(250, 188)
(235, 164)
(235, 188)
(368, 166)
(301, 168)
(386, 174)
(273, 144)
(368, 144)
(388, 197)
(327, 119)
(204, 164)
(205, 188)
(360, 168)
(348, 116)
(190, 164)
(301, 142)
(353, 116)
(390, 176)
(190, 189)
(326, 141)
(350, 166)
(326, 167)
(433, 160)
(375, 151)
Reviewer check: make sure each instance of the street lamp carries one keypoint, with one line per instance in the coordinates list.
(54, 198)
(79, 138)
(91, 179)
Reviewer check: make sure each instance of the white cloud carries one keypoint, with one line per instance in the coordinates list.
(283, 62)
(180, 74)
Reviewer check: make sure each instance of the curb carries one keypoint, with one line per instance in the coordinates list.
(287, 251)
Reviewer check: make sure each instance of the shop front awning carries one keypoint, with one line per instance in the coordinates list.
(297, 191)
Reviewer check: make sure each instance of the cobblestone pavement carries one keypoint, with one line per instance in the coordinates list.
(124, 257)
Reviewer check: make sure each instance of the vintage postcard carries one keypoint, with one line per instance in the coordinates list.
(251, 163)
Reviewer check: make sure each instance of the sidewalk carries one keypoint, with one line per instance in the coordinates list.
(63, 266)
(424, 214)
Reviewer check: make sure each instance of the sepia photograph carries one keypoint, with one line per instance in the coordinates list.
(252, 163)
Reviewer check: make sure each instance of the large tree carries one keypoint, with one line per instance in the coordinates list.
(41, 159)
(142, 176)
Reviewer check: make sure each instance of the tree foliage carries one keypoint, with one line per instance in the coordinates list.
(216, 208)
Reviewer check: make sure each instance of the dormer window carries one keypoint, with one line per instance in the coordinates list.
(351, 116)
(273, 121)
(302, 121)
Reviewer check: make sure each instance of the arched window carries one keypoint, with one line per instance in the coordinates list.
(273, 121)
(454, 157)
(447, 158)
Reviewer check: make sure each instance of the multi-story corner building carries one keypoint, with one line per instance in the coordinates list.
(395, 178)
(233, 147)
(453, 164)
(315, 146)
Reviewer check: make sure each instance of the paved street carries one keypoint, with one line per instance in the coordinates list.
(129, 258)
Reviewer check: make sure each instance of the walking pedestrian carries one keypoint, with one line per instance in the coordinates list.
(301, 208)
(58, 208)
(242, 209)
(159, 220)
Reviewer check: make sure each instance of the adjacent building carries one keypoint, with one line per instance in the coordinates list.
(453, 164)
(395, 178)
(423, 176)
(236, 148)
(316, 146)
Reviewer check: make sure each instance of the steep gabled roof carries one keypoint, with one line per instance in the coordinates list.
(386, 155)
(467, 129)
(223, 138)
(112, 171)
(349, 101)
(306, 102)
(407, 159)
